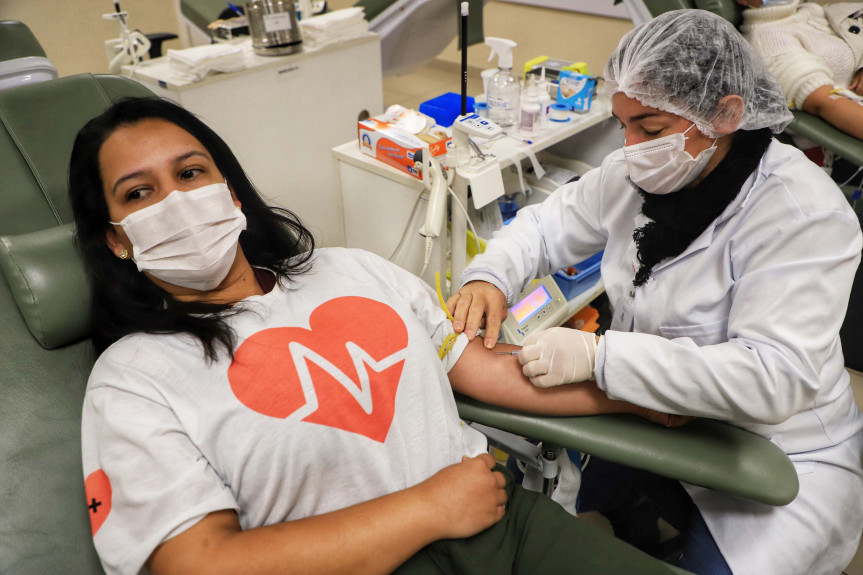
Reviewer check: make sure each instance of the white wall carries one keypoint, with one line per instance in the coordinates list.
(557, 34)
(73, 33)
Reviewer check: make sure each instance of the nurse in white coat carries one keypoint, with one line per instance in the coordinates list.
(729, 259)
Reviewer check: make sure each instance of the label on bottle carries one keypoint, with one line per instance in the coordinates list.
(529, 118)
(277, 22)
(499, 103)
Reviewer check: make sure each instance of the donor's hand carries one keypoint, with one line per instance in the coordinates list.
(466, 497)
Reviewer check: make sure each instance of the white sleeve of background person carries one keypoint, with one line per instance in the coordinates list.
(798, 69)
(543, 238)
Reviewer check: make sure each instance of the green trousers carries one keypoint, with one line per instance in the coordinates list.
(536, 536)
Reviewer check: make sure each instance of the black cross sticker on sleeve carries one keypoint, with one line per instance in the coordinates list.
(94, 505)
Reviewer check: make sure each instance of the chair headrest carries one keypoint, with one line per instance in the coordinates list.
(48, 282)
(18, 41)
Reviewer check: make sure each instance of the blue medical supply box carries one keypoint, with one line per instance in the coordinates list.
(586, 276)
(576, 91)
(445, 108)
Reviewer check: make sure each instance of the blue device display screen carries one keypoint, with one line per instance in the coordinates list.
(532, 303)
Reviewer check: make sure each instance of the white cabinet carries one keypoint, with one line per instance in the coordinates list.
(383, 205)
(282, 115)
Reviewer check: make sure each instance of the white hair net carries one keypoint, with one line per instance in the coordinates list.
(685, 61)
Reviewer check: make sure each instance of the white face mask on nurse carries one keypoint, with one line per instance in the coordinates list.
(664, 152)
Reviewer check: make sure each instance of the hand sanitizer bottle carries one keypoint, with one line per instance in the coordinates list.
(503, 89)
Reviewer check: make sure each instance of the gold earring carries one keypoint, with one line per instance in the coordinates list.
(123, 254)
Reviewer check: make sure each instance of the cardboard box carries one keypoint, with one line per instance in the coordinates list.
(576, 91)
(380, 138)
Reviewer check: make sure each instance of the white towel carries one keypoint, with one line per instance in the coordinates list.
(195, 63)
(334, 26)
(568, 482)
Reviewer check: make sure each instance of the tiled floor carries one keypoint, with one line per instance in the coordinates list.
(438, 77)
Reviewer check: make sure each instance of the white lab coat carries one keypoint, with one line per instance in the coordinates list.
(742, 326)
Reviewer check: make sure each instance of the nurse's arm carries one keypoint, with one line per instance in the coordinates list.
(496, 379)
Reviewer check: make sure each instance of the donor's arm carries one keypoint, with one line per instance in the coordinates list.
(496, 379)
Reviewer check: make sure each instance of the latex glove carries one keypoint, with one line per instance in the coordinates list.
(557, 356)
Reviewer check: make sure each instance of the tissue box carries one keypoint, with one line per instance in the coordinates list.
(395, 146)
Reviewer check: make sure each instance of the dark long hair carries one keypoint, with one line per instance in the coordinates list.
(124, 300)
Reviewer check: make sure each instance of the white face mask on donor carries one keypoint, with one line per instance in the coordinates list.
(188, 239)
(662, 166)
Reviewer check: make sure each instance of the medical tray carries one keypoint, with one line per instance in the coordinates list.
(586, 274)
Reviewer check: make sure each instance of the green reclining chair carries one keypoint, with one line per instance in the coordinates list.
(803, 124)
(44, 526)
(47, 358)
(22, 59)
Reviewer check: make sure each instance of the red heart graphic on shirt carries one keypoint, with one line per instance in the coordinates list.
(343, 372)
(98, 490)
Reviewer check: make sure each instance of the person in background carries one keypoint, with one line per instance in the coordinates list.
(729, 259)
(259, 406)
(816, 54)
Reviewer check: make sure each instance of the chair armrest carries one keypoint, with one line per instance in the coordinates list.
(48, 283)
(826, 136)
(704, 452)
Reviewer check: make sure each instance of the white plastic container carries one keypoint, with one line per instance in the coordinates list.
(26, 70)
(531, 110)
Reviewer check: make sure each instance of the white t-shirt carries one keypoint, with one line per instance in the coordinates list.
(335, 396)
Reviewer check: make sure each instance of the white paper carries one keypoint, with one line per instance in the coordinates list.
(486, 182)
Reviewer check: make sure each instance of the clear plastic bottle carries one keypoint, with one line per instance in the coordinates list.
(504, 89)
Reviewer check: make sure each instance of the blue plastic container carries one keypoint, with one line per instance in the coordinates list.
(588, 273)
(445, 108)
(508, 209)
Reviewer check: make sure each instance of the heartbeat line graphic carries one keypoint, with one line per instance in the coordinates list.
(341, 372)
(361, 393)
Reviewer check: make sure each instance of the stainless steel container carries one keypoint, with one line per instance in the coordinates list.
(273, 26)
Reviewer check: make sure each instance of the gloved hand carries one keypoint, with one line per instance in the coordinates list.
(558, 355)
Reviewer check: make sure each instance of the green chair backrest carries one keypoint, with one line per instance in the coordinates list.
(728, 9)
(38, 124)
(44, 524)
